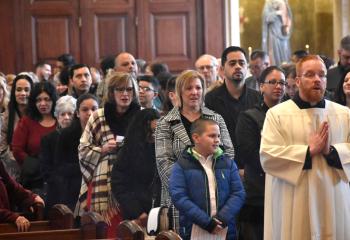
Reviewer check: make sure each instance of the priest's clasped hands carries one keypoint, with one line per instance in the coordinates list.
(319, 141)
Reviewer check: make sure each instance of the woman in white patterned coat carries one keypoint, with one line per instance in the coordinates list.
(173, 130)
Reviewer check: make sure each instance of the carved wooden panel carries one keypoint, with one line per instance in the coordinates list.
(8, 59)
(169, 36)
(213, 18)
(169, 32)
(173, 31)
(48, 42)
(50, 28)
(108, 27)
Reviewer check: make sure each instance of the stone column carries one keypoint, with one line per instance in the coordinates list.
(232, 23)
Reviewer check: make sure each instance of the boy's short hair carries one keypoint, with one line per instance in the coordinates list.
(152, 80)
(200, 124)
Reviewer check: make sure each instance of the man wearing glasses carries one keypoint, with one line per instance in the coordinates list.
(208, 66)
(148, 90)
(259, 61)
(305, 154)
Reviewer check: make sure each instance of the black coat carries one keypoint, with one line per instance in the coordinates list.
(135, 182)
(46, 157)
(65, 180)
(248, 135)
(220, 101)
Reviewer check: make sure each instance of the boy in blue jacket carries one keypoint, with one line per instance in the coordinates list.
(205, 185)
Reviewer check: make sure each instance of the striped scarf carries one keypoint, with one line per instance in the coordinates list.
(96, 169)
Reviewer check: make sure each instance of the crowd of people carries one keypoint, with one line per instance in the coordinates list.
(233, 154)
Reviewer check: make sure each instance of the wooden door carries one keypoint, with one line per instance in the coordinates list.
(48, 29)
(167, 32)
(108, 27)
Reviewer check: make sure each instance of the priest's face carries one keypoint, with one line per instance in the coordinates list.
(312, 81)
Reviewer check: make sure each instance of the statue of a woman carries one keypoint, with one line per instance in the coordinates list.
(276, 30)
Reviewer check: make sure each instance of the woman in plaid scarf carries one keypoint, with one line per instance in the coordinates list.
(99, 145)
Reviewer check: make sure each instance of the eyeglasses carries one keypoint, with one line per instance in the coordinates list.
(275, 82)
(209, 67)
(145, 89)
(321, 75)
(123, 89)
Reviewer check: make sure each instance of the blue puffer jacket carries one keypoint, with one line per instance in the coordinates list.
(189, 192)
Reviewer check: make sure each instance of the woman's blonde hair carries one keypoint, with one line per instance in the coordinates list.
(120, 79)
(183, 80)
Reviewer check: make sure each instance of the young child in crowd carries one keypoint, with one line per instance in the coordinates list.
(205, 186)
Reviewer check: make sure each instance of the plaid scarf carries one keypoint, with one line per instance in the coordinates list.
(96, 168)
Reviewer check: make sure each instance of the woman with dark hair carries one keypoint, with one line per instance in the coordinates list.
(65, 179)
(98, 147)
(61, 81)
(134, 175)
(22, 84)
(272, 83)
(170, 95)
(39, 122)
(156, 68)
(342, 92)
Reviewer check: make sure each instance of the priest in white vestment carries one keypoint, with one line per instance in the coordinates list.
(305, 152)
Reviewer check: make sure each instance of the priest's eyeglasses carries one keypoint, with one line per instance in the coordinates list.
(275, 82)
(321, 75)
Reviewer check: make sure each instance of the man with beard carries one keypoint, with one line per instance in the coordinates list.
(305, 154)
(233, 96)
(207, 65)
(335, 74)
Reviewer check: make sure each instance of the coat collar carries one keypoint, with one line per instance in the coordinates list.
(174, 114)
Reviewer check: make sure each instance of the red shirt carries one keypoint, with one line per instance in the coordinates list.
(27, 137)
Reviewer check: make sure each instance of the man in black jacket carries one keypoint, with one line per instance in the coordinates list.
(249, 126)
(335, 74)
(233, 96)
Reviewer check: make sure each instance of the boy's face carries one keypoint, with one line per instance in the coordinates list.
(207, 142)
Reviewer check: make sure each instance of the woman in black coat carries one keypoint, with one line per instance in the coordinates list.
(64, 112)
(65, 180)
(135, 179)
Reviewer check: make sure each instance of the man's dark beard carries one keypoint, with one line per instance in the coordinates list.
(236, 81)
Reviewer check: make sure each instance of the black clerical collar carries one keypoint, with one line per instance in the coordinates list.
(305, 105)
